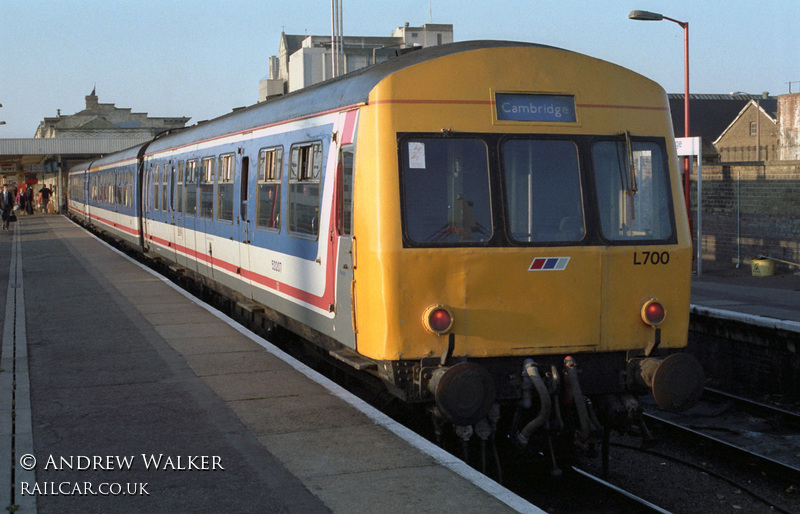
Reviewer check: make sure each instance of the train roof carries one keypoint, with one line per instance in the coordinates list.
(350, 89)
(122, 155)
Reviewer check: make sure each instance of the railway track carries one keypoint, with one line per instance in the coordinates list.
(619, 498)
(758, 434)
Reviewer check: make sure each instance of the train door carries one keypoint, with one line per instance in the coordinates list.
(178, 236)
(168, 206)
(189, 218)
(244, 219)
(344, 320)
(204, 237)
(147, 202)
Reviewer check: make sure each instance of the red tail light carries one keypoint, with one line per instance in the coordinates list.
(438, 319)
(653, 313)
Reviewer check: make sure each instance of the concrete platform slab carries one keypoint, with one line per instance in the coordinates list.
(122, 365)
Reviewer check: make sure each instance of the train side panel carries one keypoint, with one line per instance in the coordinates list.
(282, 253)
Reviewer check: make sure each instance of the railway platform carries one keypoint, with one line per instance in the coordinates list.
(121, 393)
(770, 302)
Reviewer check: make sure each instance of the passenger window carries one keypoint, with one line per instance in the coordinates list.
(207, 188)
(164, 187)
(304, 189)
(345, 200)
(227, 163)
(179, 188)
(156, 184)
(270, 164)
(191, 188)
(129, 189)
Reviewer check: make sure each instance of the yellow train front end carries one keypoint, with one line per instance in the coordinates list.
(519, 231)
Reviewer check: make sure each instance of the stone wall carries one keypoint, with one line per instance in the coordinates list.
(789, 126)
(749, 211)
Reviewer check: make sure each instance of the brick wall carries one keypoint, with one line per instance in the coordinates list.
(752, 129)
(764, 201)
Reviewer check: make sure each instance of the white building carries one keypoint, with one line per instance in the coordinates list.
(306, 60)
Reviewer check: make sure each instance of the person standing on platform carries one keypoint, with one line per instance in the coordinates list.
(29, 200)
(21, 199)
(7, 205)
(45, 192)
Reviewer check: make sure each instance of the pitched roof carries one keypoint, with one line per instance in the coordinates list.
(772, 116)
(710, 115)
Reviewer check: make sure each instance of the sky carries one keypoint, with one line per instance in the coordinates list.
(202, 58)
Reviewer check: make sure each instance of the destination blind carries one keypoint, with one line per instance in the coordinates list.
(533, 107)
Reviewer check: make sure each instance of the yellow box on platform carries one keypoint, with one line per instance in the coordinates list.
(763, 267)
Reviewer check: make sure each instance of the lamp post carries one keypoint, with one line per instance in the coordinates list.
(651, 16)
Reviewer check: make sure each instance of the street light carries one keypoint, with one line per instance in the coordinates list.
(651, 16)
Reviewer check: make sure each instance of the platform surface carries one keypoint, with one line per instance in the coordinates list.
(120, 393)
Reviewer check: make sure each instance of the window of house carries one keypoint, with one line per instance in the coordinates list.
(304, 189)
(227, 165)
(270, 162)
(753, 128)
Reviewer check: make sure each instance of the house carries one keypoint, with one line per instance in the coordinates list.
(752, 136)
(710, 115)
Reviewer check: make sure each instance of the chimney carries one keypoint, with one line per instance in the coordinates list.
(765, 95)
(91, 100)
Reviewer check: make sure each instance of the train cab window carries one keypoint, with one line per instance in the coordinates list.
(304, 189)
(227, 164)
(543, 191)
(207, 188)
(191, 188)
(446, 194)
(270, 164)
(633, 191)
(179, 188)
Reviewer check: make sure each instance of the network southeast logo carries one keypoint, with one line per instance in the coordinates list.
(549, 264)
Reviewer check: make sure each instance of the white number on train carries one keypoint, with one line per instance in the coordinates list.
(643, 258)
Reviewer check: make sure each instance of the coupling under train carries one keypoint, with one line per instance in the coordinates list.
(482, 224)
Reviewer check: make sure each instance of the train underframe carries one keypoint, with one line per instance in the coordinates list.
(554, 405)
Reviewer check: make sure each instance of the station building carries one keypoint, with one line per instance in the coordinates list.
(64, 140)
(306, 60)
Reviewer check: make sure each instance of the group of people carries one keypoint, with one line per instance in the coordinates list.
(24, 198)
